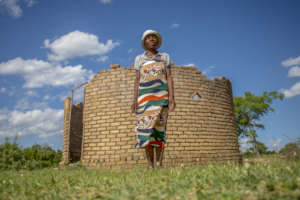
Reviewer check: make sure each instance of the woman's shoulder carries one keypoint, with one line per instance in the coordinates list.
(137, 61)
(164, 53)
(166, 58)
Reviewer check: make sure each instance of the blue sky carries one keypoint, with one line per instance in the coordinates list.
(47, 47)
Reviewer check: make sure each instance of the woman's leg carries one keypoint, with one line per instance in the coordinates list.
(159, 156)
(150, 155)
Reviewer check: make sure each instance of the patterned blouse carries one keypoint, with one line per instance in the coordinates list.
(143, 58)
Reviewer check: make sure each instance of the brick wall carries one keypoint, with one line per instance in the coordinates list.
(200, 130)
(72, 137)
(66, 129)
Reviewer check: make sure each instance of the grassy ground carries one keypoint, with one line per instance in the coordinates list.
(267, 178)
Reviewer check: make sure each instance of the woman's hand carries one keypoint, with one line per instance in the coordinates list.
(133, 108)
(171, 104)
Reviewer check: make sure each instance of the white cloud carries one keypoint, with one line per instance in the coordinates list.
(291, 61)
(293, 91)
(130, 50)
(244, 143)
(3, 89)
(77, 44)
(22, 104)
(38, 73)
(102, 58)
(46, 97)
(105, 1)
(43, 123)
(12, 7)
(78, 95)
(32, 93)
(11, 92)
(294, 71)
(274, 143)
(25, 104)
(30, 3)
(189, 65)
(175, 25)
(207, 70)
(60, 97)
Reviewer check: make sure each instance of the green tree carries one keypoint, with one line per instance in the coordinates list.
(13, 156)
(298, 141)
(261, 147)
(291, 150)
(249, 110)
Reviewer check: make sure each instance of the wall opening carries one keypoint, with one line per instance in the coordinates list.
(196, 96)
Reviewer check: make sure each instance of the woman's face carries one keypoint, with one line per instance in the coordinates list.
(151, 42)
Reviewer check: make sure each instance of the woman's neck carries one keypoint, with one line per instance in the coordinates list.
(151, 52)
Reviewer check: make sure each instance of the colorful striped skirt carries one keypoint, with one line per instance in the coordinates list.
(152, 105)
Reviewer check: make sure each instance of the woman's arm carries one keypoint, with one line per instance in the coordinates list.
(136, 87)
(170, 88)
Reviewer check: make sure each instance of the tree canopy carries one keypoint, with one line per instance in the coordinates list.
(250, 109)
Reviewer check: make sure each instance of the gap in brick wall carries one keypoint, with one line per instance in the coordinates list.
(196, 96)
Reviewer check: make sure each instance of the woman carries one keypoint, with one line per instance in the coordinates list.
(153, 96)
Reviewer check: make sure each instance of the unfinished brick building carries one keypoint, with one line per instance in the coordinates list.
(201, 129)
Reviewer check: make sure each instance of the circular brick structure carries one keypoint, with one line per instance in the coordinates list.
(201, 129)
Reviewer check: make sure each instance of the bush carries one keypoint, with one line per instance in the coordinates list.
(291, 150)
(12, 156)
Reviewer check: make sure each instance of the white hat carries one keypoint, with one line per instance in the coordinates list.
(148, 32)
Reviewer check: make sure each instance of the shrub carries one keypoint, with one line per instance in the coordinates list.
(291, 150)
(12, 156)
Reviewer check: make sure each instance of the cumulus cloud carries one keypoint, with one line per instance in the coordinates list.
(274, 143)
(77, 44)
(105, 1)
(57, 97)
(39, 73)
(30, 3)
(175, 25)
(13, 7)
(208, 69)
(293, 91)
(189, 65)
(43, 123)
(291, 61)
(26, 104)
(244, 143)
(294, 71)
(32, 93)
(78, 95)
(102, 58)
(131, 50)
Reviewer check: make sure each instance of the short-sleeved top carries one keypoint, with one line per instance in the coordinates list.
(143, 58)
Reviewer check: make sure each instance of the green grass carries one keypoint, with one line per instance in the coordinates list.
(268, 178)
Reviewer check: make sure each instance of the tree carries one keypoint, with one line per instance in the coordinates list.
(291, 150)
(298, 141)
(261, 147)
(249, 110)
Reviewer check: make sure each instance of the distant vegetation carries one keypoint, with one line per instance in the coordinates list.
(248, 112)
(13, 156)
(291, 150)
